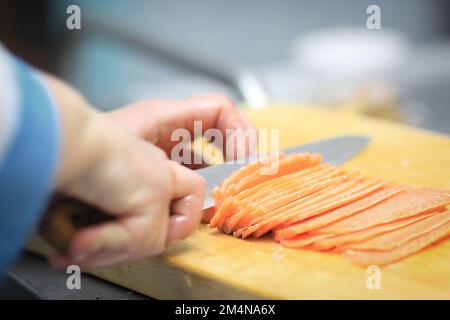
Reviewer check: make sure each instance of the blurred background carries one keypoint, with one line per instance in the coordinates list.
(315, 53)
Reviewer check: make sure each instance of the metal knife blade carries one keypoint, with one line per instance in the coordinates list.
(334, 151)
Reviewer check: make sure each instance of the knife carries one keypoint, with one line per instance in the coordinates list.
(334, 151)
(65, 216)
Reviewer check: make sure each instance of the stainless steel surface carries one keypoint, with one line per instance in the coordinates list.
(335, 151)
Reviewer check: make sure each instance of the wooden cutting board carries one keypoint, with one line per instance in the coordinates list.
(212, 265)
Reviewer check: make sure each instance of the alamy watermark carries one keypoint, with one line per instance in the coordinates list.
(373, 21)
(239, 145)
(74, 278)
(373, 281)
(73, 21)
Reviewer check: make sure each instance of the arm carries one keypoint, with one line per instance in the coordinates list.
(105, 160)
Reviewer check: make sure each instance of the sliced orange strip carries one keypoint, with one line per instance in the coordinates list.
(402, 205)
(275, 190)
(399, 237)
(228, 208)
(358, 236)
(245, 171)
(278, 216)
(221, 192)
(360, 191)
(300, 188)
(323, 190)
(264, 188)
(282, 197)
(222, 211)
(303, 240)
(380, 258)
(338, 213)
(286, 165)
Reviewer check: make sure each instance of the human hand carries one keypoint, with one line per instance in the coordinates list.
(154, 121)
(156, 201)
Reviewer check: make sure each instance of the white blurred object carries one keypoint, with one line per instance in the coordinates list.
(342, 62)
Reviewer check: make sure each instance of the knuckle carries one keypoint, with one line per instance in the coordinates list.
(225, 102)
(221, 100)
(159, 153)
(201, 186)
(155, 246)
(199, 181)
(166, 178)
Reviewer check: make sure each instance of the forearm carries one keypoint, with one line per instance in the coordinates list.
(81, 135)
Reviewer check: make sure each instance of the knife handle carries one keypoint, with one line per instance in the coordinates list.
(65, 216)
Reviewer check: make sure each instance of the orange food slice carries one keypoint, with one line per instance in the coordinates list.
(303, 240)
(380, 258)
(402, 205)
(342, 194)
(399, 237)
(257, 216)
(286, 165)
(247, 170)
(231, 203)
(330, 204)
(278, 198)
(358, 236)
(338, 213)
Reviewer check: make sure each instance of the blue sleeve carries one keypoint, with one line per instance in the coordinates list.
(29, 164)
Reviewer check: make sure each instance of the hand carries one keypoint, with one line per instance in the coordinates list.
(156, 200)
(154, 121)
(135, 181)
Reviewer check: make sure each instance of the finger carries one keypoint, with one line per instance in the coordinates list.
(236, 128)
(187, 207)
(156, 120)
(127, 238)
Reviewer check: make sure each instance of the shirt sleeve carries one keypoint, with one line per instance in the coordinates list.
(28, 157)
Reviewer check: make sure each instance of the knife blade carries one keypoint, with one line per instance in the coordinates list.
(65, 216)
(334, 151)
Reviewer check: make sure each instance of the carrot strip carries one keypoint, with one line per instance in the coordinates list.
(358, 236)
(228, 208)
(323, 190)
(303, 240)
(283, 197)
(338, 213)
(380, 258)
(243, 172)
(402, 205)
(265, 187)
(286, 187)
(331, 203)
(251, 210)
(396, 238)
(286, 165)
(298, 188)
(274, 217)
